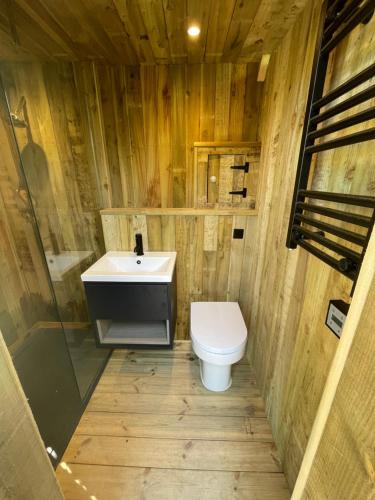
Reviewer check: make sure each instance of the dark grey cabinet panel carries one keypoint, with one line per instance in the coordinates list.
(127, 300)
(132, 308)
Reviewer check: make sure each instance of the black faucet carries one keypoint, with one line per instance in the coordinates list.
(138, 244)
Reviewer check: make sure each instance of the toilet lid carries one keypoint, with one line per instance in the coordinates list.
(218, 327)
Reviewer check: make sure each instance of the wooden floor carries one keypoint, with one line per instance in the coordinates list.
(152, 431)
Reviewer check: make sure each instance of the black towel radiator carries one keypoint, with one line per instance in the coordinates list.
(337, 20)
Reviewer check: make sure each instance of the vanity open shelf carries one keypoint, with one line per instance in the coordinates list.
(132, 299)
(133, 332)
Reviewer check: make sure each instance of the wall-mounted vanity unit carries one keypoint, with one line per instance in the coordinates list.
(132, 299)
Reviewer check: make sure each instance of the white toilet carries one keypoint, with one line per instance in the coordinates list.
(219, 334)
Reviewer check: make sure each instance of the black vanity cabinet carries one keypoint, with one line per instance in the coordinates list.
(133, 314)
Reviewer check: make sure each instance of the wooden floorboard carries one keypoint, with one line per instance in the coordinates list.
(152, 431)
(148, 384)
(173, 453)
(179, 368)
(170, 404)
(132, 483)
(174, 426)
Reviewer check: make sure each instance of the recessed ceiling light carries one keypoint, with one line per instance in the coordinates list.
(193, 31)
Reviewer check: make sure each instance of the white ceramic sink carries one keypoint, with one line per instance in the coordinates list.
(152, 267)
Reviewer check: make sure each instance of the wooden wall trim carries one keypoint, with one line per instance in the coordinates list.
(226, 144)
(263, 66)
(365, 284)
(178, 211)
(25, 470)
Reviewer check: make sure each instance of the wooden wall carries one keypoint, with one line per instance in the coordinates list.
(209, 262)
(122, 136)
(339, 459)
(290, 347)
(144, 120)
(103, 136)
(25, 469)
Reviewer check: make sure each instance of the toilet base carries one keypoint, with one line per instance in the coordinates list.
(215, 378)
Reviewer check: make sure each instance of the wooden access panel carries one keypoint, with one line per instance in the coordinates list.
(221, 169)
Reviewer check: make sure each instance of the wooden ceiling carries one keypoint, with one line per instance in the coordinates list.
(144, 31)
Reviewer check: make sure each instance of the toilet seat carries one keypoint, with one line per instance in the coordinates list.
(218, 333)
(218, 328)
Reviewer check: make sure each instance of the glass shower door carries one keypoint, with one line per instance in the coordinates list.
(54, 158)
(29, 320)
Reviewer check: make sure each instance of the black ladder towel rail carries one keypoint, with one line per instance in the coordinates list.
(338, 19)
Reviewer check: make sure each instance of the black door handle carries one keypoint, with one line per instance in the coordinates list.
(243, 192)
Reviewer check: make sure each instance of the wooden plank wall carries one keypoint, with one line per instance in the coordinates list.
(339, 459)
(122, 136)
(290, 347)
(101, 136)
(116, 136)
(209, 263)
(145, 119)
(25, 470)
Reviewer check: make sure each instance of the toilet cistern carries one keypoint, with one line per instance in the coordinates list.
(138, 249)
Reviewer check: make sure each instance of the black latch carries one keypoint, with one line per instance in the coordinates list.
(245, 167)
(243, 192)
